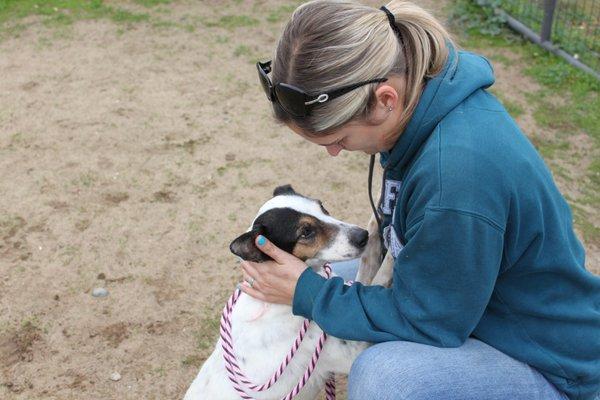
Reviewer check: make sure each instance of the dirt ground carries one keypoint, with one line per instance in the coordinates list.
(130, 157)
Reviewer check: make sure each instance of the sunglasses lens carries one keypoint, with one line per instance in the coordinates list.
(291, 100)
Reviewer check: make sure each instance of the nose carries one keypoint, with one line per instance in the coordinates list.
(359, 237)
(334, 149)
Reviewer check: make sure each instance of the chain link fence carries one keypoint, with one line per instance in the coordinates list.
(569, 28)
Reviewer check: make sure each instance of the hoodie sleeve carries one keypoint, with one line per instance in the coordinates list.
(443, 280)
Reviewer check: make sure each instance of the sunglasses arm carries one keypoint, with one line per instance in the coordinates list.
(322, 98)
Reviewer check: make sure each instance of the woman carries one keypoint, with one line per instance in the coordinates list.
(490, 296)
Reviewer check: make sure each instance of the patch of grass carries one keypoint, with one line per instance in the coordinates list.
(193, 360)
(232, 22)
(280, 13)
(477, 16)
(500, 58)
(594, 174)
(580, 110)
(549, 148)
(86, 179)
(10, 225)
(221, 39)
(590, 232)
(152, 3)
(53, 10)
(65, 12)
(31, 323)
(512, 107)
(209, 328)
(124, 16)
(17, 139)
(242, 50)
(195, 225)
(68, 253)
(573, 30)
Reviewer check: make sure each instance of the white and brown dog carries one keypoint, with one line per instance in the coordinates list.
(303, 227)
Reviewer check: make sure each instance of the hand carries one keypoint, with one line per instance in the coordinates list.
(274, 281)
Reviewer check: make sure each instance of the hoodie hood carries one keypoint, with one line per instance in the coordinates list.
(463, 74)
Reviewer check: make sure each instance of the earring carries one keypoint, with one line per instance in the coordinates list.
(390, 108)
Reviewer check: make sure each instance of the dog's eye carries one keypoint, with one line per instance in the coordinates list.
(323, 209)
(307, 233)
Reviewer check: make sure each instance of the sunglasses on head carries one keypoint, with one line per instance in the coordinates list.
(296, 101)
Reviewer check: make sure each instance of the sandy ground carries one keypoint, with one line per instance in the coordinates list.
(130, 158)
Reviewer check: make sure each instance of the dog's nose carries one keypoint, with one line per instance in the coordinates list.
(359, 237)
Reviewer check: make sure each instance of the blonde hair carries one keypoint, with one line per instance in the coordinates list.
(330, 43)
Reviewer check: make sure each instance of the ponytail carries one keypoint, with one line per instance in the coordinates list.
(425, 49)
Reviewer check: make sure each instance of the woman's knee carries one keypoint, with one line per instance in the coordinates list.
(387, 371)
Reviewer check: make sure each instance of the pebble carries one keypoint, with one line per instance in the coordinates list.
(100, 292)
(115, 376)
(229, 157)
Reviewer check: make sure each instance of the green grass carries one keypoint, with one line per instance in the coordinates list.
(512, 107)
(208, 329)
(232, 22)
(152, 3)
(62, 13)
(242, 50)
(573, 30)
(281, 13)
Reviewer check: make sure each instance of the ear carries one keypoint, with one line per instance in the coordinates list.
(284, 189)
(244, 247)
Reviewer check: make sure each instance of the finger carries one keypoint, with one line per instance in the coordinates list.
(267, 247)
(252, 292)
(248, 278)
(250, 269)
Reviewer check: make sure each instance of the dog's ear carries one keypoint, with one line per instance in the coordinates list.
(284, 189)
(244, 247)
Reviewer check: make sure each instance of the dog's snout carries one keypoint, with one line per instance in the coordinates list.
(359, 237)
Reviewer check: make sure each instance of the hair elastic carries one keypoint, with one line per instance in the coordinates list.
(391, 19)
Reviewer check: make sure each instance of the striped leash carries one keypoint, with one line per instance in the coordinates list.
(237, 377)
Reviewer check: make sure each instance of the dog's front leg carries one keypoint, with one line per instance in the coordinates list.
(386, 271)
(369, 261)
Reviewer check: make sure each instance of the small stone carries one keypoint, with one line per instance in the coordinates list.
(99, 292)
(101, 276)
(229, 157)
(115, 376)
(56, 297)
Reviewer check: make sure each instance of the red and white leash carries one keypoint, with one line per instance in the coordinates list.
(237, 377)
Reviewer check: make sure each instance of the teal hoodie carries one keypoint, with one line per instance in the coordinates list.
(483, 243)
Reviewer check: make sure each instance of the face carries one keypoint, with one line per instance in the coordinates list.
(367, 136)
(301, 226)
(353, 136)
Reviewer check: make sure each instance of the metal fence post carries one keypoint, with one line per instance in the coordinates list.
(549, 7)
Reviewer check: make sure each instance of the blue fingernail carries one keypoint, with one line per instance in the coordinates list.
(261, 240)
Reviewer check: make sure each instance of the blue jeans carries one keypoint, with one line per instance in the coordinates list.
(413, 371)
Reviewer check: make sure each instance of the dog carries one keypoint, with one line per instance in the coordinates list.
(263, 333)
